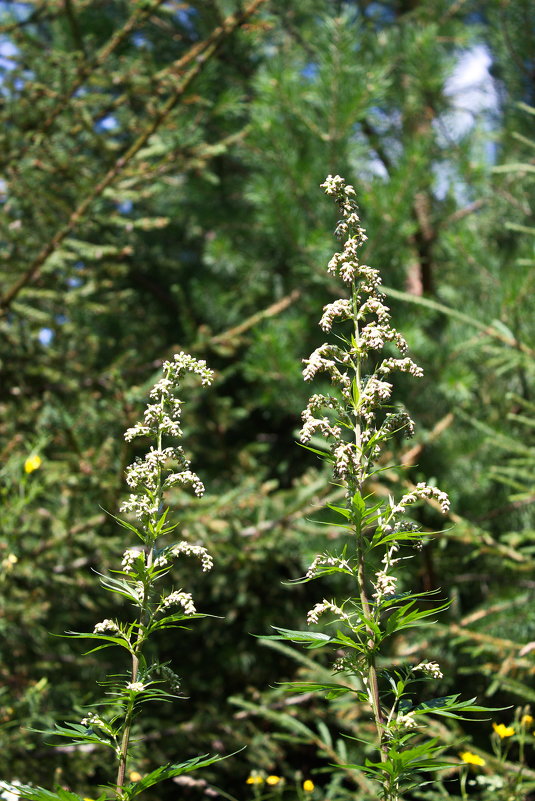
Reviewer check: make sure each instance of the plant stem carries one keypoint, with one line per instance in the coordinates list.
(464, 776)
(129, 717)
(123, 754)
(373, 688)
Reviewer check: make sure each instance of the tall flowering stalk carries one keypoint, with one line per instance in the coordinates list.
(356, 418)
(139, 580)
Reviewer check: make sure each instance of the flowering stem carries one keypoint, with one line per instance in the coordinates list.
(356, 419)
(142, 568)
(149, 478)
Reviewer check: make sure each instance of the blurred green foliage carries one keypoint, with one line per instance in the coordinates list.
(148, 208)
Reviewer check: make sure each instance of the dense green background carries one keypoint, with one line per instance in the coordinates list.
(161, 192)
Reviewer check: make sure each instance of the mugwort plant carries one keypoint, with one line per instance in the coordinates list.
(356, 418)
(141, 581)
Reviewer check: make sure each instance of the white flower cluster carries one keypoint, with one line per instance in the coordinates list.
(139, 430)
(129, 557)
(398, 421)
(334, 185)
(312, 424)
(142, 506)
(179, 598)
(199, 551)
(326, 359)
(156, 417)
(406, 721)
(430, 669)
(91, 720)
(326, 560)
(374, 306)
(164, 414)
(373, 331)
(138, 590)
(146, 472)
(106, 625)
(420, 492)
(374, 336)
(184, 363)
(95, 721)
(394, 527)
(375, 393)
(185, 477)
(346, 461)
(147, 475)
(317, 402)
(325, 606)
(403, 365)
(385, 583)
(135, 686)
(340, 308)
(343, 663)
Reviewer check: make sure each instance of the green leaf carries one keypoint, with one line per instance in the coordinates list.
(125, 524)
(77, 733)
(341, 510)
(110, 639)
(26, 791)
(332, 690)
(349, 642)
(119, 586)
(358, 506)
(448, 706)
(403, 763)
(174, 620)
(313, 639)
(323, 454)
(168, 772)
(403, 618)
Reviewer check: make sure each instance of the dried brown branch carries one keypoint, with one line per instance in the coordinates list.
(270, 311)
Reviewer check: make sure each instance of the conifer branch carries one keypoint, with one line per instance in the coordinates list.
(88, 68)
(201, 54)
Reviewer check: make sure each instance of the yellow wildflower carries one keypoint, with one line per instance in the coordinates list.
(32, 463)
(502, 730)
(471, 759)
(526, 720)
(308, 786)
(135, 776)
(273, 780)
(254, 779)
